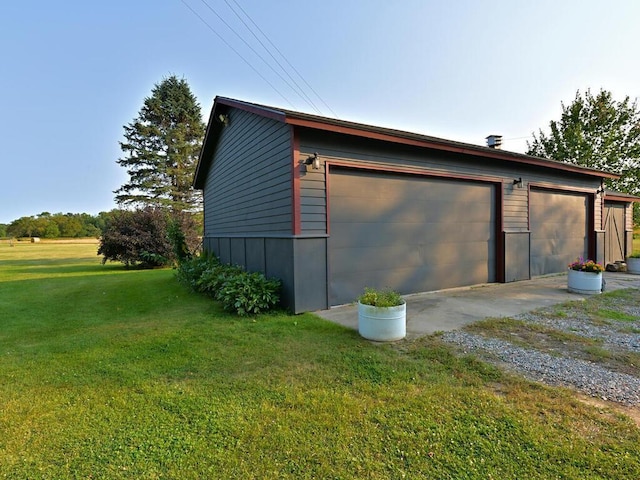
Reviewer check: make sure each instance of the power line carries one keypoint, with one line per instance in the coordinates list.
(284, 57)
(238, 53)
(252, 49)
(300, 89)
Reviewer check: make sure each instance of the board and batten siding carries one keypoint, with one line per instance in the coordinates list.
(515, 212)
(248, 186)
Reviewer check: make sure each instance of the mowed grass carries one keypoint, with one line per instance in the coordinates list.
(109, 373)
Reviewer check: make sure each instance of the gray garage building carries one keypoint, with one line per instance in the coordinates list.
(330, 206)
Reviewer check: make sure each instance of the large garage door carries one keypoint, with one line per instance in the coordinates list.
(558, 223)
(408, 233)
(614, 226)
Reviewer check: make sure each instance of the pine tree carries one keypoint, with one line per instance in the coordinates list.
(161, 150)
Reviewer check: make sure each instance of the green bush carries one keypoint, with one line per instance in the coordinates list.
(248, 293)
(190, 270)
(238, 291)
(212, 279)
(140, 237)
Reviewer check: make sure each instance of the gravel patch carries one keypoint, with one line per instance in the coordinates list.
(585, 376)
(581, 326)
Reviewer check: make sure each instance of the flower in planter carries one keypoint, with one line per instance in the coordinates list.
(380, 298)
(582, 265)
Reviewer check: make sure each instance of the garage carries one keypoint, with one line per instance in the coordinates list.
(408, 232)
(559, 229)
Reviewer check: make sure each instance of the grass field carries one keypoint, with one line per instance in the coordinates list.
(109, 373)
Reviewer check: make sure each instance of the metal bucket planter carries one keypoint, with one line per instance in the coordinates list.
(586, 283)
(633, 265)
(382, 324)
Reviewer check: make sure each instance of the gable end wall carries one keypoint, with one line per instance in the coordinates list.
(248, 187)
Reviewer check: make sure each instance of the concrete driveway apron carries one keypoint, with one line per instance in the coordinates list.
(451, 309)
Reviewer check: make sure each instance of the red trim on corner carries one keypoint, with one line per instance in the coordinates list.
(295, 183)
(327, 203)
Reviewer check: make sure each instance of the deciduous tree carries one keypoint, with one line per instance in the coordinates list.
(596, 132)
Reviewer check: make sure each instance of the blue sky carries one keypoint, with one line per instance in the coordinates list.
(75, 72)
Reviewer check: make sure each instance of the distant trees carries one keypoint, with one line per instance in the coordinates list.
(47, 225)
(161, 149)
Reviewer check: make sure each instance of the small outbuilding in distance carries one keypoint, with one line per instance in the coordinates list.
(330, 206)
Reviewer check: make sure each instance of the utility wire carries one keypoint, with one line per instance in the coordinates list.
(285, 58)
(257, 54)
(238, 53)
(300, 89)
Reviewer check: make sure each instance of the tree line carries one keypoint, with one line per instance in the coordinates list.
(55, 225)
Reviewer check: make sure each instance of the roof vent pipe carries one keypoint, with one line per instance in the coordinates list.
(494, 141)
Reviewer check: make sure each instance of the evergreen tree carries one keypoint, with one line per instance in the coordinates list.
(161, 150)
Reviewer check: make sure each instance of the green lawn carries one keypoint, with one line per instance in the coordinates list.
(109, 373)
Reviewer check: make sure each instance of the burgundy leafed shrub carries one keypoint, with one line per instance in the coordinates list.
(140, 237)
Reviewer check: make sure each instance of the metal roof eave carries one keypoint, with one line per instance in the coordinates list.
(317, 122)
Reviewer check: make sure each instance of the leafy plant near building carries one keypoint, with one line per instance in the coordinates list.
(237, 290)
(380, 298)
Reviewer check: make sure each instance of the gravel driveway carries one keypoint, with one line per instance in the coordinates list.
(612, 322)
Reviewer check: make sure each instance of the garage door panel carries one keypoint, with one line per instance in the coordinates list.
(408, 233)
(407, 210)
(558, 230)
(370, 234)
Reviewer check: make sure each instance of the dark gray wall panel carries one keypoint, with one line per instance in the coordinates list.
(255, 254)
(310, 274)
(224, 250)
(237, 255)
(279, 264)
(408, 233)
(558, 230)
(615, 228)
(516, 252)
(248, 187)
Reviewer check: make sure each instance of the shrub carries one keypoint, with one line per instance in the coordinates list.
(182, 233)
(238, 291)
(212, 279)
(140, 237)
(248, 293)
(190, 270)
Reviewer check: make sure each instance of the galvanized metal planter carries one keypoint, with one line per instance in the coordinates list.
(633, 265)
(382, 324)
(586, 283)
